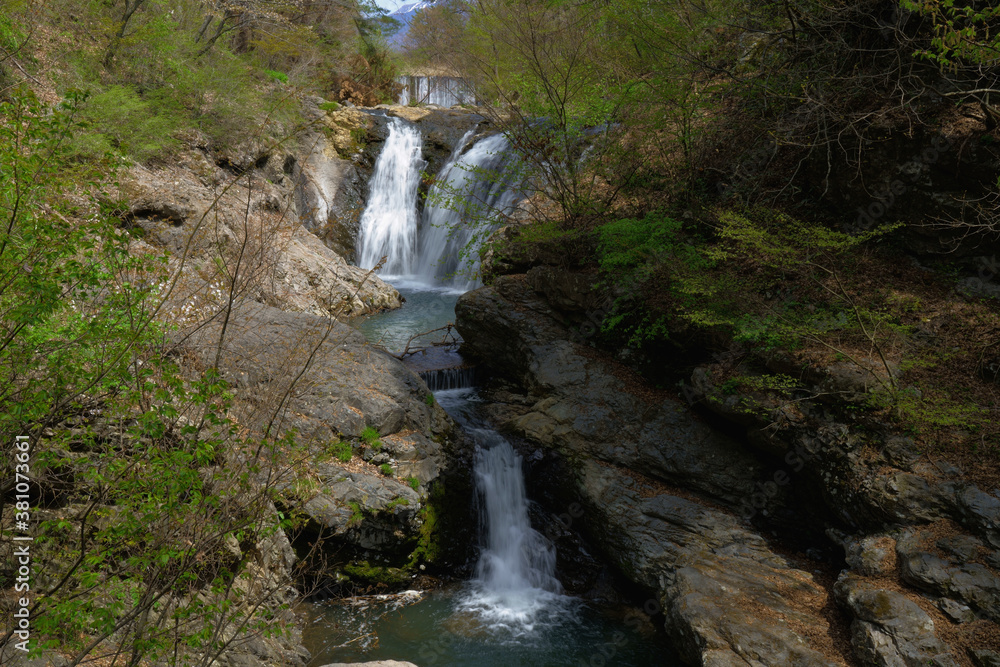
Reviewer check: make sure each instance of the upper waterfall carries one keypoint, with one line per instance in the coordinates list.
(388, 225)
(470, 197)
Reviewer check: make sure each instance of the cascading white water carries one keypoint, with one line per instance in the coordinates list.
(515, 585)
(470, 196)
(388, 225)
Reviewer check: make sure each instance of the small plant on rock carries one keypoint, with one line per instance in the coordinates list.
(342, 451)
(370, 437)
(386, 469)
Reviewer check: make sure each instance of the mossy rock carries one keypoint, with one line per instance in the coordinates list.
(362, 572)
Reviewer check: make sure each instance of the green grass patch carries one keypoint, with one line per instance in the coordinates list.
(341, 450)
(277, 76)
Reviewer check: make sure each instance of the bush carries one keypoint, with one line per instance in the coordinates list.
(386, 469)
(119, 120)
(342, 451)
(370, 437)
(277, 76)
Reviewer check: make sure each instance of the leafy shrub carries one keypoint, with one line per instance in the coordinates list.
(119, 120)
(370, 437)
(277, 76)
(342, 451)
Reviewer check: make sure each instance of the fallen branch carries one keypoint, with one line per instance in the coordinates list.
(444, 340)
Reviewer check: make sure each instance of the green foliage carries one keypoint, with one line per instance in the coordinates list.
(70, 316)
(342, 451)
(633, 249)
(78, 349)
(413, 482)
(387, 470)
(277, 76)
(11, 37)
(119, 120)
(963, 32)
(429, 399)
(329, 106)
(370, 437)
(644, 256)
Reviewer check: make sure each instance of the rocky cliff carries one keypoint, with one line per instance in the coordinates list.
(721, 511)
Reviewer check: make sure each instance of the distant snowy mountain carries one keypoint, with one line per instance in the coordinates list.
(404, 15)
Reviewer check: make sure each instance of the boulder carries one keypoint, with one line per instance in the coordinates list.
(727, 597)
(889, 629)
(348, 386)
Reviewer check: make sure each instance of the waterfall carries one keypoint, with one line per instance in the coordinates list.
(446, 379)
(515, 586)
(388, 225)
(470, 196)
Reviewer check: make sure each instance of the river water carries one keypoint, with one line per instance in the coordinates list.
(514, 611)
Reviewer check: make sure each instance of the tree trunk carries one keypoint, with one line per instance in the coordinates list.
(116, 39)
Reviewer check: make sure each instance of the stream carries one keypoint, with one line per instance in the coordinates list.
(514, 611)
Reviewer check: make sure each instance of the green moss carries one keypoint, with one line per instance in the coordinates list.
(364, 572)
(429, 548)
(357, 515)
(396, 502)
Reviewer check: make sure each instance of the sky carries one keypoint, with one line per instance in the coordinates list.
(391, 5)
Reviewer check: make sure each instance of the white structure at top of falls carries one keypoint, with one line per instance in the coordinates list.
(388, 226)
(445, 91)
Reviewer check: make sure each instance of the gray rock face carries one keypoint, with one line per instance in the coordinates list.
(348, 387)
(590, 406)
(197, 210)
(971, 583)
(871, 495)
(890, 629)
(728, 599)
